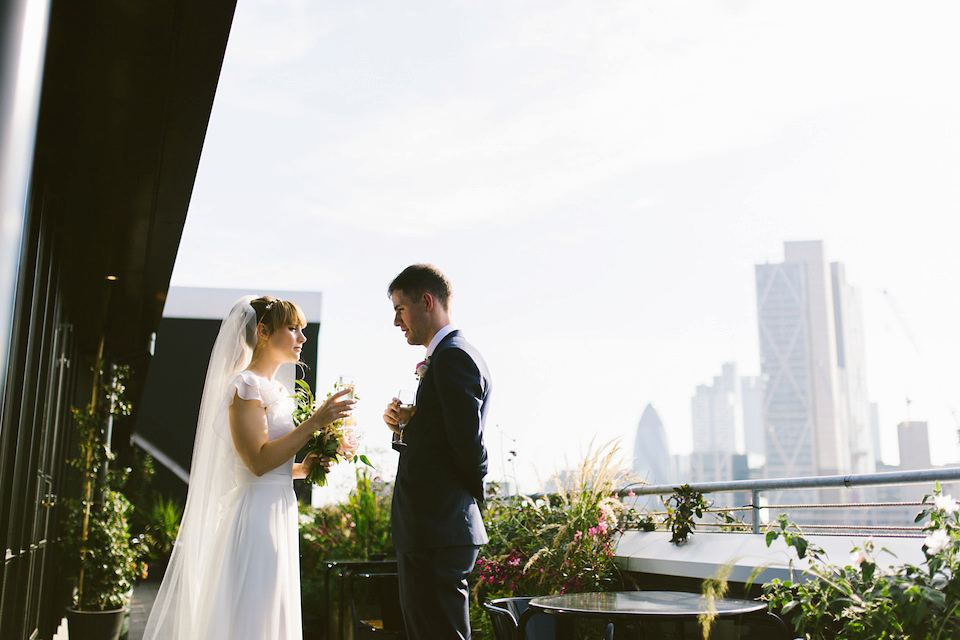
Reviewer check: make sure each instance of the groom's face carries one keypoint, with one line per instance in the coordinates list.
(411, 317)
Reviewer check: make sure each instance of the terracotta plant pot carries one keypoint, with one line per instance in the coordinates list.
(95, 625)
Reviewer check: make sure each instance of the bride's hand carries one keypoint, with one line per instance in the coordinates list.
(314, 459)
(334, 408)
(302, 470)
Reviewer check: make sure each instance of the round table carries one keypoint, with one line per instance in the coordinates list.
(637, 605)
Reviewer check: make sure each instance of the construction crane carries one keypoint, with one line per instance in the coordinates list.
(908, 332)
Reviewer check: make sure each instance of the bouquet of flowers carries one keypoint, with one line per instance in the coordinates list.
(336, 440)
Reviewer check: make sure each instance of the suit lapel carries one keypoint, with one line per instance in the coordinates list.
(441, 345)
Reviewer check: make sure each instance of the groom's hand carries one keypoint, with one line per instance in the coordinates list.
(392, 415)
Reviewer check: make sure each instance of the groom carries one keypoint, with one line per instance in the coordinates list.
(437, 529)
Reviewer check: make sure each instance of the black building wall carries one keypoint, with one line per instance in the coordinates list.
(99, 188)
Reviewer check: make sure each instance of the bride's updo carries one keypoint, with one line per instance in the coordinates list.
(274, 314)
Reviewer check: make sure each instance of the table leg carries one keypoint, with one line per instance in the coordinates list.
(564, 627)
(522, 623)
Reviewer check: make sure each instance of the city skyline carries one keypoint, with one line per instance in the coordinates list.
(598, 181)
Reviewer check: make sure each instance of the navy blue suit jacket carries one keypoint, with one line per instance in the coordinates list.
(441, 469)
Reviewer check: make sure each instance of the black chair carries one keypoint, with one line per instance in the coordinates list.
(375, 606)
(505, 615)
(503, 619)
(765, 626)
(337, 598)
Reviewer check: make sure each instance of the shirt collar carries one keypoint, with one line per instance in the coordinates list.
(443, 333)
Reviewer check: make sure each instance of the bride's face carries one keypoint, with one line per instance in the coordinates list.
(285, 343)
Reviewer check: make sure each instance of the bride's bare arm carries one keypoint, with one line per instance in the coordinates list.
(248, 426)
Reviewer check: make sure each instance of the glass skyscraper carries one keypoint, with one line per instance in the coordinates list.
(811, 361)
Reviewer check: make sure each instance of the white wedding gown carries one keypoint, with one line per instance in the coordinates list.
(234, 573)
(255, 570)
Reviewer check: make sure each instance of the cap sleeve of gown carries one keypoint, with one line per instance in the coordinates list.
(250, 386)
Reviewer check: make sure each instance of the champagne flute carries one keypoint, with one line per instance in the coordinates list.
(348, 382)
(408, 407)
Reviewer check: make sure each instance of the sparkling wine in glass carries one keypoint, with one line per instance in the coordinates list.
(347, 382)
(408, 407)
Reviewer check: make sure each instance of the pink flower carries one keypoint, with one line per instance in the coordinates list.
(422, 368)
(348, 444)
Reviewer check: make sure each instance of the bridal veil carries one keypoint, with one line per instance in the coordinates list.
(184, 592)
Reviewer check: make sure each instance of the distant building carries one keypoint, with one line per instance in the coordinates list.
(854, 404)
(816, 414)
(751, 395)
(651, 456)
(719, 418)
(875, 431)
(718, 414)
(914, 441)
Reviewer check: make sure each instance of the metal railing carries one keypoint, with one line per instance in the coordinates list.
(756, 487)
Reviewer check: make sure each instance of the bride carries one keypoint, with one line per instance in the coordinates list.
(235, 571)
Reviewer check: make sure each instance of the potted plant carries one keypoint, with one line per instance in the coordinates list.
(96, 546)
(162, 523)
(155, 518)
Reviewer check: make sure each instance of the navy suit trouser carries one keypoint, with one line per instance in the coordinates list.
(433, 592)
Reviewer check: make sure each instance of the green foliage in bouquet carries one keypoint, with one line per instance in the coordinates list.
(336, 441)
(862, 600)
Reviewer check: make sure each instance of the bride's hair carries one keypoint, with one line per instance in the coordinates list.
(274, 314)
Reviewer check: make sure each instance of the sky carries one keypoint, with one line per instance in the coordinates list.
(598, 180)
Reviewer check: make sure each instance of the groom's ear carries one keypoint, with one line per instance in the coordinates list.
(429, 301)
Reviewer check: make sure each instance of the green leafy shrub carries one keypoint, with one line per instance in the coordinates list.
(557, 543)
(162, 523)
(358, 529)
(862, 600)
(682, 508)
(97, 547)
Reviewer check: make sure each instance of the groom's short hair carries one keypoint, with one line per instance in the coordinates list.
(418, 279)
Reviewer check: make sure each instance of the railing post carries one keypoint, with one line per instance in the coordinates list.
(756, 510)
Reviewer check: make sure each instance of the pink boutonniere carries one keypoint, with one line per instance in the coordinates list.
(422, 368)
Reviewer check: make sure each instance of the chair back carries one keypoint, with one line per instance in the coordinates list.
(375, 605)
(503, 621)
(505, 615)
